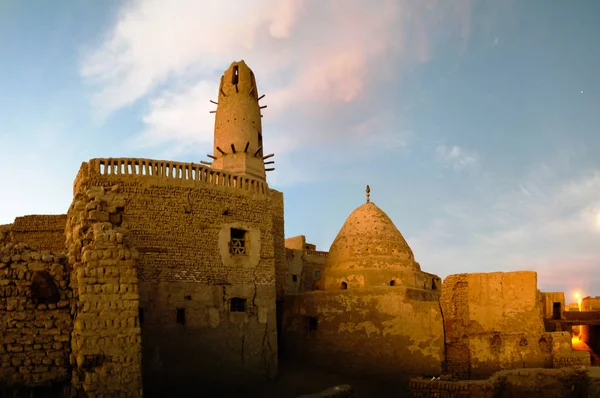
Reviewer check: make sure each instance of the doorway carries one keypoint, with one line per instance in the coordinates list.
(556, 311)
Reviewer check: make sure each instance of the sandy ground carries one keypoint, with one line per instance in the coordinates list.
(295, 380)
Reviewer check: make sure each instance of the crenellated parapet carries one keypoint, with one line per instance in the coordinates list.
(165, 172)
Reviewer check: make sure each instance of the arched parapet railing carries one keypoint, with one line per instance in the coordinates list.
(317, 253)
(123, 168)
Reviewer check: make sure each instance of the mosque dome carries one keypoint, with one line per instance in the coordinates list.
(369, 251)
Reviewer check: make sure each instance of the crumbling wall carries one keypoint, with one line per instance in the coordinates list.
(35, 317)
(106, 342)
(5, 234)
(180, 217)
(41, 232)
(493, 321)
(379, 332)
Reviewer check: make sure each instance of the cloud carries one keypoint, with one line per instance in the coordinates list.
(545, 223)
(456, 157)
(321, 63)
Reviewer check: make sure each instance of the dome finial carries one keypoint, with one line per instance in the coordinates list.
(368, 194)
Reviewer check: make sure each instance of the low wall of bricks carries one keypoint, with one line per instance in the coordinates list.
(35, 317)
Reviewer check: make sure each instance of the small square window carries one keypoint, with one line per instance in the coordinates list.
(294, 278)
(237, 244)
(311, 324)
(238, 304)
(317, 274)
(181, 316)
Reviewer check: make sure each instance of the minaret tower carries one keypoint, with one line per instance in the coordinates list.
(238, 128)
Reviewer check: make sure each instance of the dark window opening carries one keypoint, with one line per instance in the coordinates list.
(311, 324)
(392, 283)
(238, 304)
(344, 286)
(317, 274)
(556, 310)
(188, 297)
(92, 361)
(294, 278)
(237, 245)
(235, 76)
(43, 288)
(260, 143)
(141, 315)
(433, 285)
(181, 316)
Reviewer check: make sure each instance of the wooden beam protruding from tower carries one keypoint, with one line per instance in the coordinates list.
(220, 150)
(271, 162)
(216, 103)
(206, 163)
(261, 97)
(258, 150)
(247, 145)
(212, 157)
(233, 148)
(268, 156)
(271, 169)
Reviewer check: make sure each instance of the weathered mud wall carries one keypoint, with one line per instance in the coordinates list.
(5, 234)
(278, 236)
(493, 321)
(303, 270)
(106, 341)
(41, 232)
(207, 314)
(35, 317)
(381, 332)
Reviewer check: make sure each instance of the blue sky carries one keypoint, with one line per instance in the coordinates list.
(474, 122)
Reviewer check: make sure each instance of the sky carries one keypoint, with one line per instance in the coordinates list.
(474, 122)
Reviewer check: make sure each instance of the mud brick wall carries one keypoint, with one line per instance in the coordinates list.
(493, 321)
(5, 234)
(370, 332)
(574, 359)
(35, 317)
(41, 232)
(106, 344)
(427, 388)
(278, 234)
(189, 279)
(455, 311)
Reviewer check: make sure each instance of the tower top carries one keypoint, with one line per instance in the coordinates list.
(368, 194)
(238, 141)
